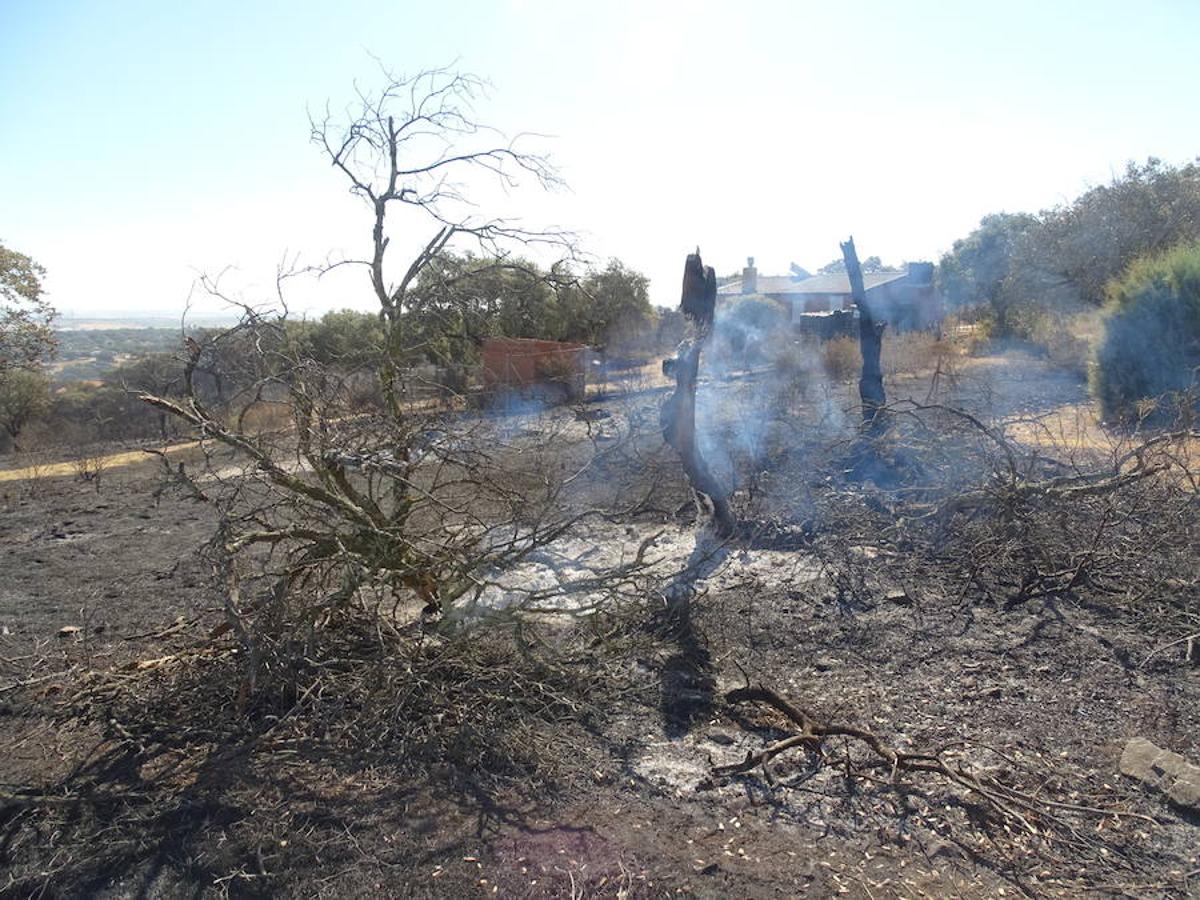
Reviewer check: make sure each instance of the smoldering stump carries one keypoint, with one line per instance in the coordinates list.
(678, 415)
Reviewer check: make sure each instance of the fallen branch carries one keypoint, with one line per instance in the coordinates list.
(30, 682)
(1065, 488)
(1188, 639)
(1026, 810)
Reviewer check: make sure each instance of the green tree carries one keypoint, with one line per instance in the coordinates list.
(24, 397)
(26, 339)
(348, 339)
(868, 265)
(156, 373)
(1083, 245)
(26, 342)
(1149, 358)
(160, 374)
(608, 307)
(1020, 266)
(89, 412)
(461, 299)
(978, 270)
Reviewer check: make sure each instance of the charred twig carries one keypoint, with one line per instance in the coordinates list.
(1027, 810)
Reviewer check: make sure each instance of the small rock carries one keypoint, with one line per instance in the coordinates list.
(717, 736)
(69, 631)
(825, 663)
(898, 596)
(1163, 771)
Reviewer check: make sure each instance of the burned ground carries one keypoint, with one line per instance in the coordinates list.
(955, 592)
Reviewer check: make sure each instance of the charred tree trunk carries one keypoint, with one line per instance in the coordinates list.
(870, 342)
(678, 416)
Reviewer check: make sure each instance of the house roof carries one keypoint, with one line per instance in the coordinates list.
(817, 284)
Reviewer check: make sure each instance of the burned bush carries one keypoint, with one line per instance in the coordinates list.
(339, 518)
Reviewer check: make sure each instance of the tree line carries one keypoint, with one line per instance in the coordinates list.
(1129, 249)
(459, 300)
(1014, 272)
(1017, 267)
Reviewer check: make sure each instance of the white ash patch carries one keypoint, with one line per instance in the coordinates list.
(582, 571)
(680, 766)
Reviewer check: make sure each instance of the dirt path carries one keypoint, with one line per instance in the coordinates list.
(109, 461)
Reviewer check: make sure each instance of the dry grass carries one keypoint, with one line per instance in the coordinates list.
(914, 352)
(909, 353)
(266, 417)
(1071, 339)
(37, 470)
(841, 358)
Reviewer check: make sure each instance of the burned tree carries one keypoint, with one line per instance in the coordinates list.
(698, 304)
(870, 340)
(358, 515)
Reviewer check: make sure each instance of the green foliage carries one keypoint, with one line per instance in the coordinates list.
(461, 299)
(1088, 243)
(92, 353)
(611, 308)
(26, 340)
(80, 343)
(457, 301)
(24, 396)
(1148, 360)
(978, 270)
(1017, 268)
(155, 373)
(346, 339)
(103, 412)
(868, 265)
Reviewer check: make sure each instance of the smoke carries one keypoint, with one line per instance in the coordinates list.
(755, 372)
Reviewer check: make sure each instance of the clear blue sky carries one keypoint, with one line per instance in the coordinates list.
(143, 141)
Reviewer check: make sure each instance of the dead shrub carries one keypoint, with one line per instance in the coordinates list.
(324, 502)
(90, 467)
(841, 358)
(564, 371)
(905, 353)
(265, 416)
(37, 466)
(1070, 340)
(910, 353)
(791, 359)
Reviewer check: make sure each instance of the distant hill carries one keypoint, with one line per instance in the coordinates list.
(88, 349)
(100, 323)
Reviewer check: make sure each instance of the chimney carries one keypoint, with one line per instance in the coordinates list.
(750, 277)
(920, 273)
